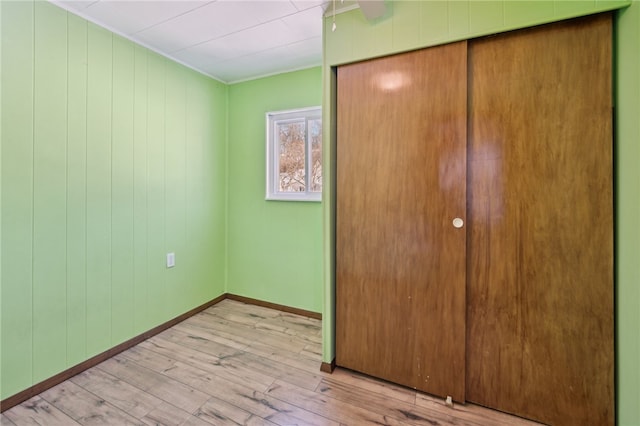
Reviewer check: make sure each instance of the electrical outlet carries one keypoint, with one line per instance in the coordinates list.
(171, 260)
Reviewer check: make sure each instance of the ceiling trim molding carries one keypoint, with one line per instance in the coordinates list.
(244, 80)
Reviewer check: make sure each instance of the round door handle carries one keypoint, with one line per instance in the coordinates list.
(457, 222)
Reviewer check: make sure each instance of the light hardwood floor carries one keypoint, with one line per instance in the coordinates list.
(237, 364)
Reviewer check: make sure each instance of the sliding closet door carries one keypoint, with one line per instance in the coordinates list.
(540, 262)
(401, 176)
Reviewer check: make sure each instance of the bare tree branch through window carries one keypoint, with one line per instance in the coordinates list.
(294, 155)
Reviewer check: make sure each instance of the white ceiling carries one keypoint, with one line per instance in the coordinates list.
(230, 40)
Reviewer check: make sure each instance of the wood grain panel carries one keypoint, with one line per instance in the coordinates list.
(540, 257)
(400, 264)
(38, 411)
(85, 407)
(122, 395)
(161, 382)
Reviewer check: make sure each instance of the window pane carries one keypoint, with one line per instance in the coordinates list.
(315, 135)
(294, 155)
(291, 140)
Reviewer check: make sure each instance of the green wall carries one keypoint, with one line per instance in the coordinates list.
(415, 24)
(111, 157)
(628, 212)
(274, 247)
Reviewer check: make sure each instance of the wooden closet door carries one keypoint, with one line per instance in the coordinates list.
(401, 177)
(540, 260)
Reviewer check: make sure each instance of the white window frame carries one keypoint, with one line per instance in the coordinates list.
(273, 166)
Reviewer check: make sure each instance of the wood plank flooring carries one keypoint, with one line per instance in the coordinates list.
(236, 364)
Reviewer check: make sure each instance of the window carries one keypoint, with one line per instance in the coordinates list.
(294, 155)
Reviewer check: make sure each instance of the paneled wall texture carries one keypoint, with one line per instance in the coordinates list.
(112, 156)
(274, 247)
